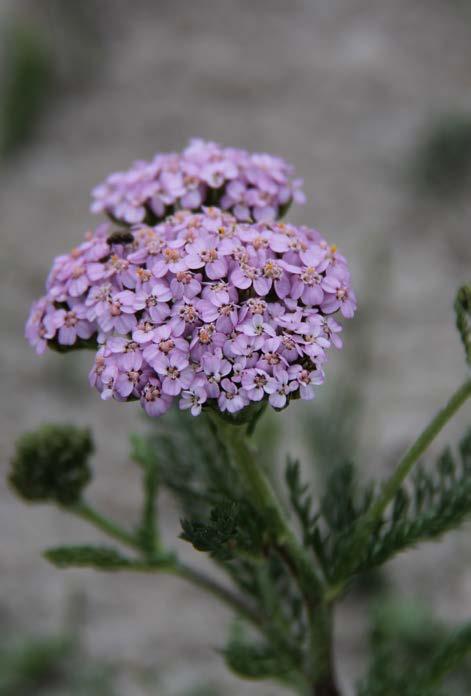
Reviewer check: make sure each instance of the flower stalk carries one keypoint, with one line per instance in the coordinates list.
(318, 660)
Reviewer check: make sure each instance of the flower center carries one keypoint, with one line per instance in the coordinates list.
(151, 393)
(173, 373)
(190, 181)
(99, 364)
(257, 306)
(145, 326)
(171, 255)
(143, 274)
(218, 287)
(184, 277)
(205, 334)
(70, 319)
(297, 245)
(78, 271)
(260, 243)
(153, 247)
(310, 276)
(250, 271)
(209, 256)
(304, 377)
(118, 264)
(272, 358)
(133, 376)
(226, 309)
(272, 270)
(166, 346)
(188, 313)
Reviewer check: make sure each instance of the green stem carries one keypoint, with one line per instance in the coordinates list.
(148, 532)
(86, 512)
(393, 484)
(265, 501)
(437, 424)
(318, 666)
(323, 679)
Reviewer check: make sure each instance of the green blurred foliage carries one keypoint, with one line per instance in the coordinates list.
(51, 666)
(403, 637)
(52, 48)
(441, 162)
(25, 86)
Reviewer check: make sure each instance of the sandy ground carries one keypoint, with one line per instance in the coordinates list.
(340, 87)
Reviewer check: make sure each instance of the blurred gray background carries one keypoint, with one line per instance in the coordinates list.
(372, 103)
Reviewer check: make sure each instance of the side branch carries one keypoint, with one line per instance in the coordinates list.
(414, 453)
(166, 563)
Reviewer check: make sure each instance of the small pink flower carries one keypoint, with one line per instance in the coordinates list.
(174, 371)
(258, 327)
(172, 259)
(339, 295)
(72, 324)
(164, 345)
(215, 368)
(205, 253)
(38, 329)
(185, 284)
(125, 352)
(193, 399)
(231, 398)
(153, 400)
(306, 380)
(279, 387)
(255, 382)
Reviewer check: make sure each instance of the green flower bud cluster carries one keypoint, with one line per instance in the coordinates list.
(51, 464)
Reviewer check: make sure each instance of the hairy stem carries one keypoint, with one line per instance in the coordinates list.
(412, 455)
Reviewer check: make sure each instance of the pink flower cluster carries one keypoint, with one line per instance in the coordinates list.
(251, 186)
(201, 308)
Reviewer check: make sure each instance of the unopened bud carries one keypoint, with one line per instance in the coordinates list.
(51, 463)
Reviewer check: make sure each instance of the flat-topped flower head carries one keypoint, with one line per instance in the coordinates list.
(251, 186)
(201, 309)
